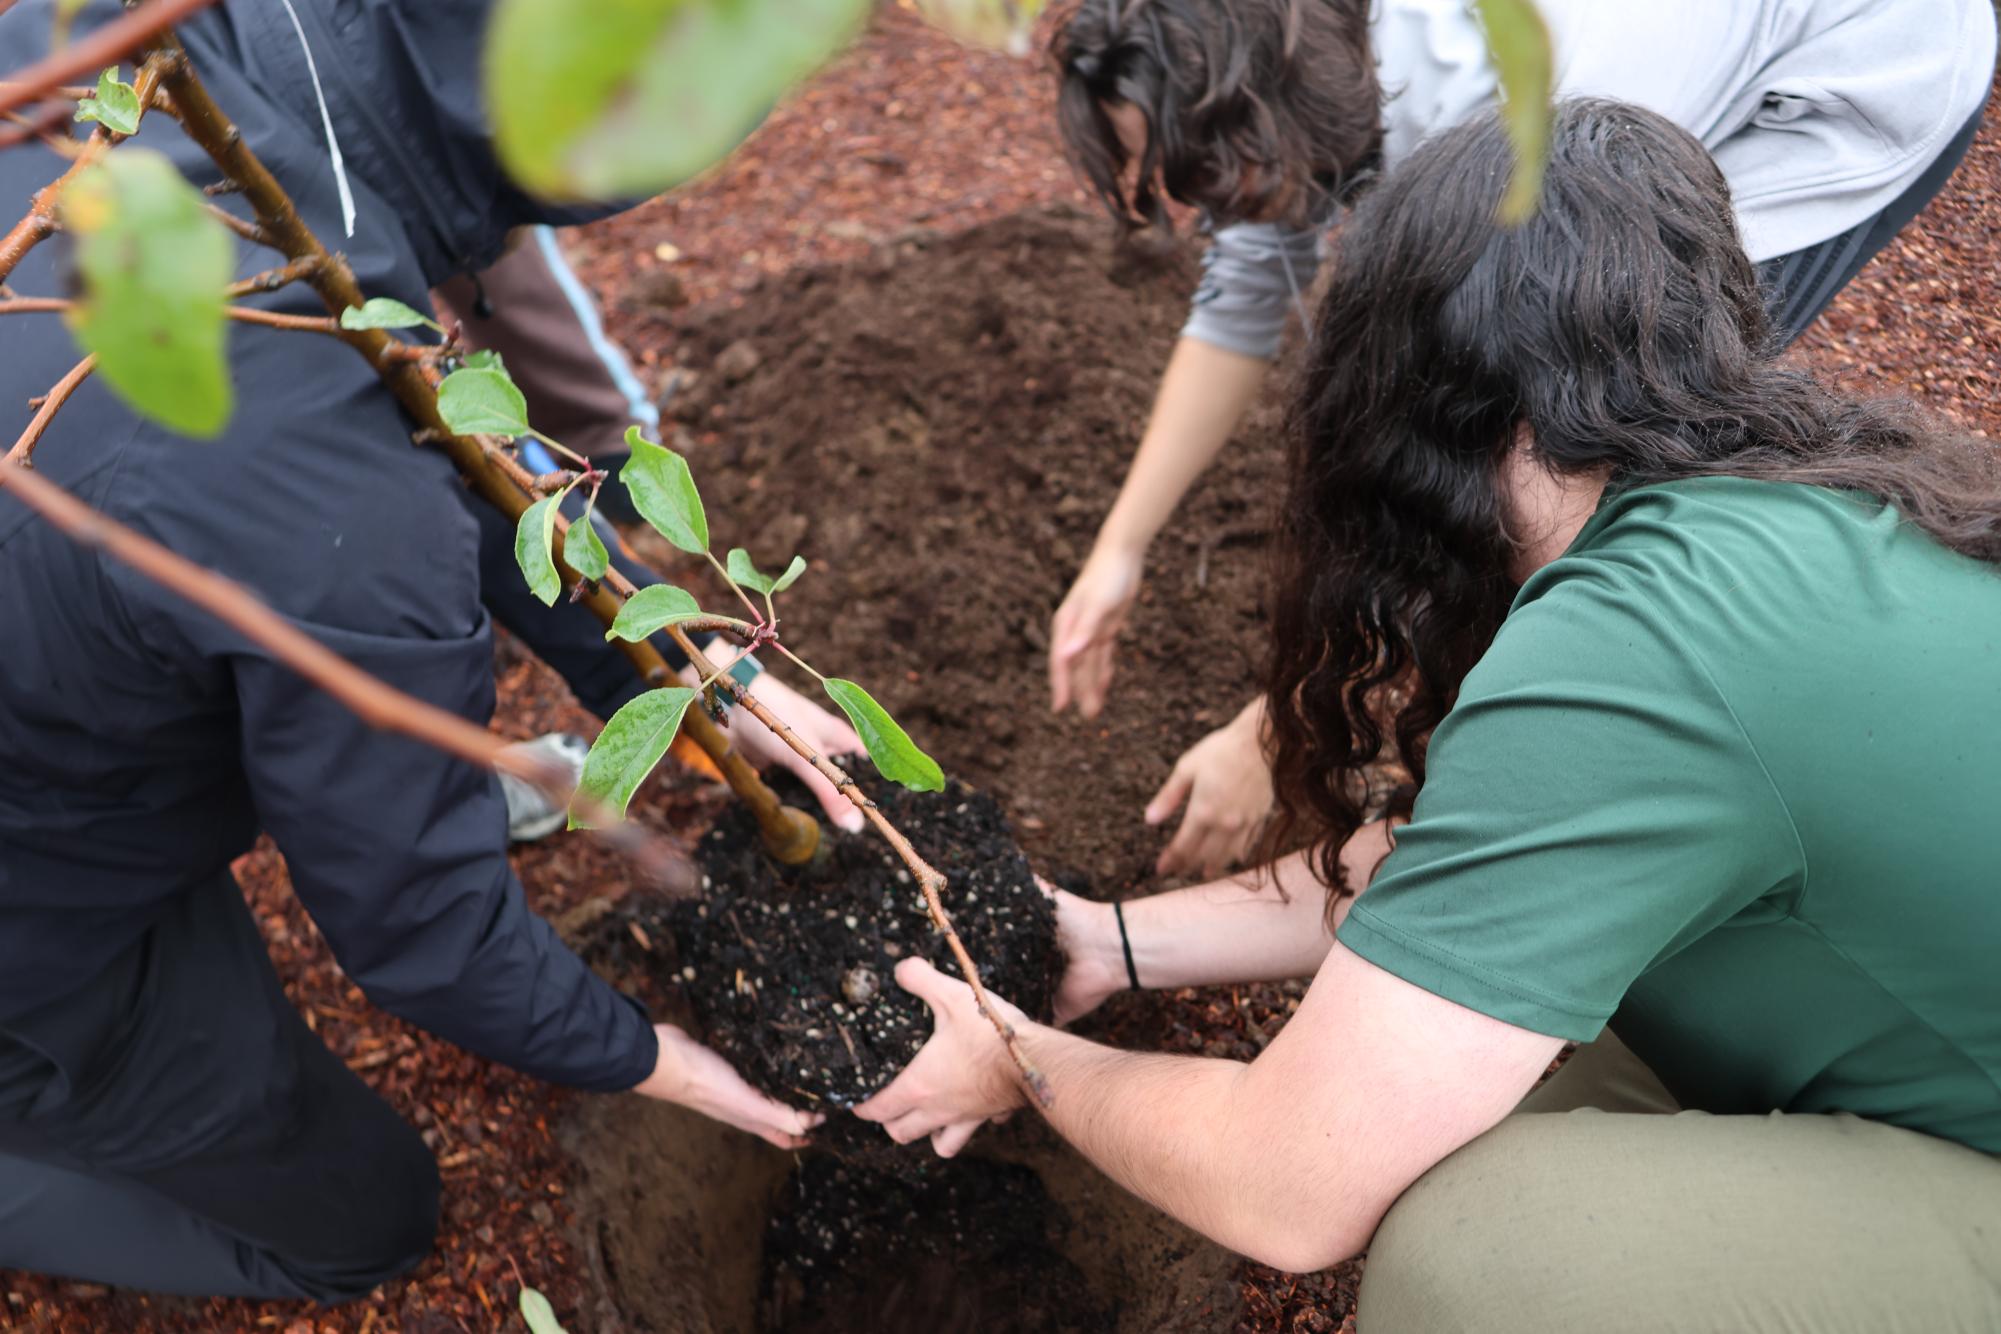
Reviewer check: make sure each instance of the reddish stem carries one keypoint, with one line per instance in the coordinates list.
(24, 448)
(108, 45)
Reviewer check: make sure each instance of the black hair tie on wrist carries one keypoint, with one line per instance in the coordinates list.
(1125, 943)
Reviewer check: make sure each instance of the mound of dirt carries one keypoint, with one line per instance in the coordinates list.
(789, 972)
(940, 428)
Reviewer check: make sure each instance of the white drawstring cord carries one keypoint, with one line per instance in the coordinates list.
(326, 119)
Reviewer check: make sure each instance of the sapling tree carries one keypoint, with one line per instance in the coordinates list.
(153, 323)
(630, 98)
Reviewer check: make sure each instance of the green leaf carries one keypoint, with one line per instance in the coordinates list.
(154, 266)
(534, 537)
(381, 312)
(628, 748)
(116, 106)
(1518, 41)
(896, 756)
(653, 608)
(483, 359)
(663, 491)
(482, 401)
(746, 573)
(791, 575)
(541, 1316)
(583, 549)
(633, 96)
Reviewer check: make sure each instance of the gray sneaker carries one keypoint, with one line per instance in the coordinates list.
(531, 815)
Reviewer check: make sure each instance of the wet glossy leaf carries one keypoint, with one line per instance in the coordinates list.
(653, 608)
(482, 401)
(483, 359)
(896, 756)
(1002, 25)
(1519, 44)
(632, 96)
(116, 106)
(381, 312)
(583, 549)
(154, 266)
(628, 748)
(541, 1316)
(534, 538)
(663, 491)
(791, 575)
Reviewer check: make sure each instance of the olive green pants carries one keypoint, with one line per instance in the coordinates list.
(1598, 1206)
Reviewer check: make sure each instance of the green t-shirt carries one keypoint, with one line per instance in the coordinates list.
(1729, 779)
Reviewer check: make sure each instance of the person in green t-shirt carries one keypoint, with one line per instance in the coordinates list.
(1695, 670)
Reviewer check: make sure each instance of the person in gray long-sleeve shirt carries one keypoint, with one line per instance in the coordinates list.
(1834, 122)
(167, 1120)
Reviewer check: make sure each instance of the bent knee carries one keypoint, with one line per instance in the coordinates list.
(387, 1224)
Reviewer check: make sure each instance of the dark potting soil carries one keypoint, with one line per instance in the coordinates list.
(971, 1246)
(790, 971)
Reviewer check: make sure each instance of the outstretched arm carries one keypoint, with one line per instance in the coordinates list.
(1261, 926)
(1292, 1159)
(1254, 279)
(1203, 395)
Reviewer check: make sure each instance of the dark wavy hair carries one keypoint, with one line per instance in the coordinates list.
(1256, 109)
(1624, 326)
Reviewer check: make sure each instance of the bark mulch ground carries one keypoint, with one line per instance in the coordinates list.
(906, 131)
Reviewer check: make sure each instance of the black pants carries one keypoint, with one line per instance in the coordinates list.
(175, 1126)
(1800, 285)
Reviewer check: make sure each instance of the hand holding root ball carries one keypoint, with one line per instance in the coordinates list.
(962, 1078)
(690, 1075)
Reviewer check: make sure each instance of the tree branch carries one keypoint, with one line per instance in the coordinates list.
(43, 125)
(24, 448)
(270, 319)
(40, 222)
(375, 702)
(249, 231)
(789, 834)
(108, 45)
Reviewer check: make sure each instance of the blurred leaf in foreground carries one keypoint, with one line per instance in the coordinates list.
(154, 266)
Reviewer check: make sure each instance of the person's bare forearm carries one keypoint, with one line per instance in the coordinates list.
(1267, 925)
(1203, 395)
(1259, 926)
(1189, 1136)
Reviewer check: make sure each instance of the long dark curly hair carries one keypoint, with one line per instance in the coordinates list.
(1255, 109)
(1624, 326)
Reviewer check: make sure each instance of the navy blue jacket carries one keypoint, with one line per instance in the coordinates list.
(142, 744)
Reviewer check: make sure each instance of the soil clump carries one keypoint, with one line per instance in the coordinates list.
(790, 971)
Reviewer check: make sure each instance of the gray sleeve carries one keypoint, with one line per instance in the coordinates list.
(1254, 276)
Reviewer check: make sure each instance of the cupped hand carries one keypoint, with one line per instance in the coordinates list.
(824, 731)
(961, 1079)
(1084, 633)
(1094, 962)
(1226, 784)
(690, 1075)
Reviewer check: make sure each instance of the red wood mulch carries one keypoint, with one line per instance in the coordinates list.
(907, 130)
